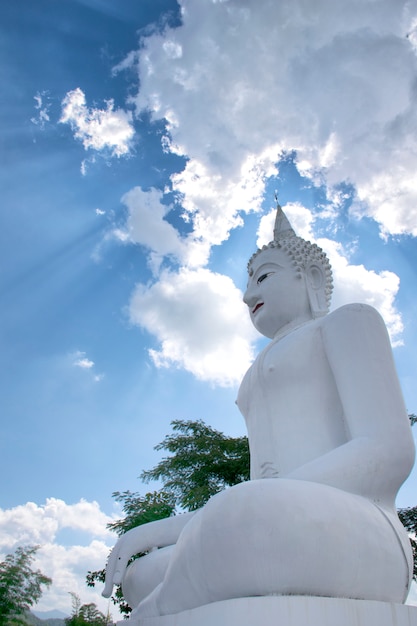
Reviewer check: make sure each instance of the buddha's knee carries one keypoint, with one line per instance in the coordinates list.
(287, 536)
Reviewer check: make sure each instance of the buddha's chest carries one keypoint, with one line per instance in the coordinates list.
(291, 406)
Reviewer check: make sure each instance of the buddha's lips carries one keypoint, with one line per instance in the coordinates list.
(258, 306)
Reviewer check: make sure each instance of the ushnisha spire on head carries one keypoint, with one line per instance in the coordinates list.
(306, 257)
(282, 228)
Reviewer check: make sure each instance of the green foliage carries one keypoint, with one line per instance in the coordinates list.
(20, 586)
(85, 614)
(203, 462)
(408, 518)
(117, 598)
(142, 509)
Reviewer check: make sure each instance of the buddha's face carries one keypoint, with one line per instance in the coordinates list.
(276, 295)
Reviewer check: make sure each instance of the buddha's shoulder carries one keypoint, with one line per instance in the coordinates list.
(353, 311)
(353, 317)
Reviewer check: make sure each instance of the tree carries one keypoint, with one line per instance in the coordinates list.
(85, 614)
(20, 586)
(90, 614)
(204, 461)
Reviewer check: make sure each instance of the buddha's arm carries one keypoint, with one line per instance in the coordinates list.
(160, 533)
(379, 452)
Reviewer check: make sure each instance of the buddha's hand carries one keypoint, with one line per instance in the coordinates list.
(129, 544)
(143, 538)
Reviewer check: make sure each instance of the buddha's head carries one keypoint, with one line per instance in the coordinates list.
(290, 281)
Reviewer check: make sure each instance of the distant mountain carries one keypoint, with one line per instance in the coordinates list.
(46, 615)
(45, 618)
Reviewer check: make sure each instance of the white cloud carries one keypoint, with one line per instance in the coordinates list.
(32, 523)
(68, 567)
(238, 78)
(67, 564)
(146, 225)
(42, 110)
(84, 363)
(127, 63)
(200, 321)
(80, 359)
(239, 85)
(213, 201)
(393, 203)
(211, 204)
(98, 129)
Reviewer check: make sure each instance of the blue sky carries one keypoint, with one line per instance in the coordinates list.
(142, 143)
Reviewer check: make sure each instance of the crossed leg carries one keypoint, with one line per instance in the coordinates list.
(280, 536)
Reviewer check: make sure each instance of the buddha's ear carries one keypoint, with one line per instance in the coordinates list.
(316, 289)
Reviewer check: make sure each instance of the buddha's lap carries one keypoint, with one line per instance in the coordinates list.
(274, 535)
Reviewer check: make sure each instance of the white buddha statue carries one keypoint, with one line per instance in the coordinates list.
(330, 446)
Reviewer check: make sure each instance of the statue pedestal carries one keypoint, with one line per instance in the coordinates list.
(289, 611)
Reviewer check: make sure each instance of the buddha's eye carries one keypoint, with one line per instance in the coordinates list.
(263, 276)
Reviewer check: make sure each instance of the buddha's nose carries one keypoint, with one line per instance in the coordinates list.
(250, 297)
